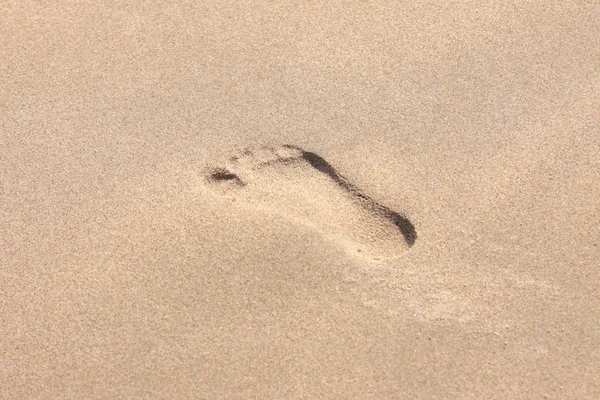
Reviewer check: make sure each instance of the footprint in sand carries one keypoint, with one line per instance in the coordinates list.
(305, 188)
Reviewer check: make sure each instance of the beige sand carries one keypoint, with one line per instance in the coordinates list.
(145, 252)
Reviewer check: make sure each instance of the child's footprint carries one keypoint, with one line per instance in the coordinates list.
(305, 188)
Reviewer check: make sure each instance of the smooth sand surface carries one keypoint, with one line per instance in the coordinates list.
(300, 200)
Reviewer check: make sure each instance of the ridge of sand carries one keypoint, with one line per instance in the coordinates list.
(305, 188)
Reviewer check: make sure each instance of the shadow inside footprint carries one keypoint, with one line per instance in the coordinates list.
(404, 225)
(222, 175)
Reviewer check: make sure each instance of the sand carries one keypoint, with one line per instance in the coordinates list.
(300, 200)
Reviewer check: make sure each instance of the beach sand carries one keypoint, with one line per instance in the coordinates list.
(300, 200)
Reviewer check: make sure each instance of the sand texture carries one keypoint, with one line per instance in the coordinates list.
(300, 200)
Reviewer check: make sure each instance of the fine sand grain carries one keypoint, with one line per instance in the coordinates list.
(416, 213)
